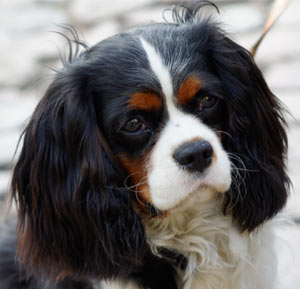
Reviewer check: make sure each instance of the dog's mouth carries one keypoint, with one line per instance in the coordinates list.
(203, 193)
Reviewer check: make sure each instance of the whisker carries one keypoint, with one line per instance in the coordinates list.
(224, 132)
(139, 200)
(237, 158)
(239, 177)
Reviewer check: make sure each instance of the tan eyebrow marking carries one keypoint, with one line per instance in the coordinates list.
(188, 89)
(145, 101)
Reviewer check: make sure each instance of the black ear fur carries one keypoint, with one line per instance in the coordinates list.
(75, 219)
(256, 137)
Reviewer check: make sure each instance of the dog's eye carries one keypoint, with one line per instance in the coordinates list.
(134, 125)
(207, 102)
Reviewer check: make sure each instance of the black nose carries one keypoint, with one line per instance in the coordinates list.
(194, 156)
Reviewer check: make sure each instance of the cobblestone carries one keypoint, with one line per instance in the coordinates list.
(4, 183)
(290, 99)
(21, 105)
(89, 12)
(276, 74)
(237, 21)
(101, 31)
(142, 16)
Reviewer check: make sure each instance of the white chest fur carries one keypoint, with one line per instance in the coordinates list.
(219, 256)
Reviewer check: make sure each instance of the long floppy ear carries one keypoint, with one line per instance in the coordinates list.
(255, 137)
(75, 218)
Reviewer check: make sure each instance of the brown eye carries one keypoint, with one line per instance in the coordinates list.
(207, 102)
(134, 125)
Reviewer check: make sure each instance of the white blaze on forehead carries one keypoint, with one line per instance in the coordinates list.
(161, 71)
(169, 184)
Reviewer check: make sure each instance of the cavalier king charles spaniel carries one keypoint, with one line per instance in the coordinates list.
(156, 159)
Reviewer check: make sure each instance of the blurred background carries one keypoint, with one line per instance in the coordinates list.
(28, 50)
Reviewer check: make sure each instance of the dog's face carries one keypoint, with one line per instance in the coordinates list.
(163, 114)
(152, 116)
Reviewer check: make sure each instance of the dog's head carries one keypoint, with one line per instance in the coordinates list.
(151, 116)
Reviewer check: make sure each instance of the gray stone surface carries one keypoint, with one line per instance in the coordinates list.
(15, 108)
(8, 144)
(22, 44)
(242, 17)
(101, 31)
(4, 183)
(285, 75)
(89, 12)
(290, 99)
(146, 16)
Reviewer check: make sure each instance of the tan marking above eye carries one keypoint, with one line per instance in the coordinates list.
(145, 101)
(188, 89)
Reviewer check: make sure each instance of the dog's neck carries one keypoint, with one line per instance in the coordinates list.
(217, 254)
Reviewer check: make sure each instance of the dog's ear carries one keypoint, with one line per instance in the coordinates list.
(255, 138)
(74, 216)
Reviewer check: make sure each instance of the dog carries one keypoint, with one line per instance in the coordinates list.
(156, 159)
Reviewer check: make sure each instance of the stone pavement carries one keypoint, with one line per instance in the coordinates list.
(28, 49)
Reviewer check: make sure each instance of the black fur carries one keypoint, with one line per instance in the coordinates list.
(255, 137)
(68, 190)
(76, 220)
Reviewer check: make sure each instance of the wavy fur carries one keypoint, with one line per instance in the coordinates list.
(83, 220)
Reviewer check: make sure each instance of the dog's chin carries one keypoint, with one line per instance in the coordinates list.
(201, 195)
